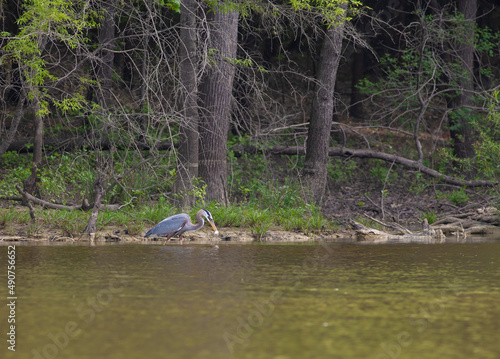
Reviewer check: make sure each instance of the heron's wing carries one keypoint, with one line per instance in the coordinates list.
(169, 227)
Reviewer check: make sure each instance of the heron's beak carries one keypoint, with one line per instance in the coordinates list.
(214, 227)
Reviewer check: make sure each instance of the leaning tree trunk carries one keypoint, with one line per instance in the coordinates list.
(318, 139)
(187, 155)
(461, 130)
(215, 101)
(30, 183)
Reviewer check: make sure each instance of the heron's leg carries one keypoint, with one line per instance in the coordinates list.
(180, 238)
(168, 238)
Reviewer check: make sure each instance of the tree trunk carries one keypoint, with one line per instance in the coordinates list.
(98, 196)
(30, 184)
(106, 55)
(460, 128)
(318, 139)
(187, 155)
(215, 101)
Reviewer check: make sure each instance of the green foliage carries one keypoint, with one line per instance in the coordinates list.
(17, 169)
(486, 40)
(317, 222)
(60, 21)
(68, 177)
(268, 205)
(486, 162)
(276, 197)
(457, 197)
(333, 12)
(292, 218)
(71, 223)
(174, 5)
(396, 89)
(259, 218)
(230, 216)
(199, 191)
(247, 63)
(418, 184)
(341, 170)
(306, 219)
(383, 174)
(431, 216)
(7, 217)
(75, 103)
(259, 222)
(244, 8)
(33, 228)
(116, 218)
(154, 213)
(487, 148)
(249, 173)
(428, 70)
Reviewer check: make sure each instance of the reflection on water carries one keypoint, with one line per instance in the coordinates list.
(256, 301)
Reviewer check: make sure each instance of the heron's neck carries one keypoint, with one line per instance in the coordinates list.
(201, 222)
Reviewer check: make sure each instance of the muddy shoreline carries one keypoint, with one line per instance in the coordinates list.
(241, 236)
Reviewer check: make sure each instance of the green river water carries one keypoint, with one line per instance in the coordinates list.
(253, 301)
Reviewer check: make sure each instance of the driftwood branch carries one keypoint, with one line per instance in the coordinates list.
(427, 235)
(81, 207)
(394, 226)
(477, 222)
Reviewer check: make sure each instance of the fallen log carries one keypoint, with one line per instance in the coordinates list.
(239, 150)
(77, 143)
(417, 165)
(85, 206)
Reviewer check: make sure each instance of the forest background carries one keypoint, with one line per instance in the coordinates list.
(300, 114)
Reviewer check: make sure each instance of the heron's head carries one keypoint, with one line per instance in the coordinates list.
(209, 218)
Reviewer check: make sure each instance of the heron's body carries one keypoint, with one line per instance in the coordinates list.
(180, 223)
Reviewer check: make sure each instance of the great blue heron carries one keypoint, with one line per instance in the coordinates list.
(180, 223)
